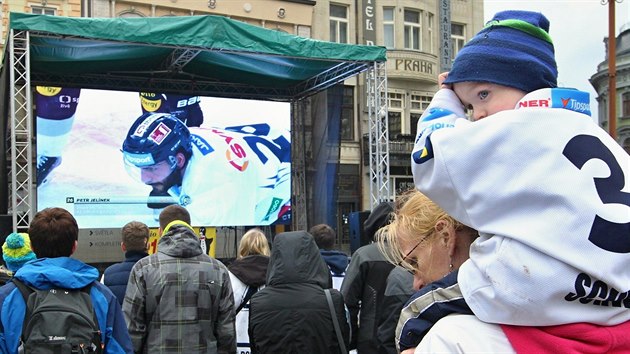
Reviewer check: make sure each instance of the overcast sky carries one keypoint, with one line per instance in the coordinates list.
(578, 28)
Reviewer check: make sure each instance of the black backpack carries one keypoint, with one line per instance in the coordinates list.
(59, 321)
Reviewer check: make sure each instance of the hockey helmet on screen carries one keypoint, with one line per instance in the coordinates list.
(156, 137)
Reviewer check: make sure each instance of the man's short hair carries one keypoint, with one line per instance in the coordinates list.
(173, 212)
(324, 236)
(135, 236)
(53, 232)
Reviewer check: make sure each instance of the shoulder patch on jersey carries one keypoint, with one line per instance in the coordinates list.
(425, 154)
(204, 147)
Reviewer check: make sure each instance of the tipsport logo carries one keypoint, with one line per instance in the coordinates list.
(571, 99)
(575, 105)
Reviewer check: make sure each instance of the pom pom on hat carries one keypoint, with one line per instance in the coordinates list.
(514, 49)
(17, 250)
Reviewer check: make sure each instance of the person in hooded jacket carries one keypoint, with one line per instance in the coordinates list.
(291, 314)
(179, 300)
(363, 288)
(247, 275)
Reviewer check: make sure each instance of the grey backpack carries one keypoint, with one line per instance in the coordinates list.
(59, 321)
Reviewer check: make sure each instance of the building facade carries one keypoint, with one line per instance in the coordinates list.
(335, 150)
(600, 82)
(411, 32)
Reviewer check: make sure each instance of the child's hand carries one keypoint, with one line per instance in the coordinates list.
(441, 78)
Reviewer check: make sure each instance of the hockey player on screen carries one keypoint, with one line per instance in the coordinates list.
(186, 108)
(56, 108)
(55, 115)
(234, 176)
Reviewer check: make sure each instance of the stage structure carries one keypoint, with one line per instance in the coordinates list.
(199, 55)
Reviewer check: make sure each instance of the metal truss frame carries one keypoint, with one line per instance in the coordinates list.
(378, 134)
(21, 199)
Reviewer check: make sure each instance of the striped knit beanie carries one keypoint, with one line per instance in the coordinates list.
(16, 251)
(514, 49)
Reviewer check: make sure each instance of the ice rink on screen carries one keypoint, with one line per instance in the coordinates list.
(92, 165)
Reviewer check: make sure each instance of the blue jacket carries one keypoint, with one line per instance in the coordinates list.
(69, 273)
(337, 261)
(116, 275)
(428, 305)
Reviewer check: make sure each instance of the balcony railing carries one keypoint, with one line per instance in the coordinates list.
(399, 150)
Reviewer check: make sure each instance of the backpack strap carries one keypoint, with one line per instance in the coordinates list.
(97, 336)
(251, 290)
(333, 314)
(26, 291)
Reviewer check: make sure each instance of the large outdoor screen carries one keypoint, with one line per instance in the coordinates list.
(110, 157)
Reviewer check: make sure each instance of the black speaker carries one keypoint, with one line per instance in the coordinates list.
(6, 226)
(358, 238)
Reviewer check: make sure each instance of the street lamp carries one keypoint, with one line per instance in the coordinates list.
(612, 69)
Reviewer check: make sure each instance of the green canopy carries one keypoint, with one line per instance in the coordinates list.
(205, 55)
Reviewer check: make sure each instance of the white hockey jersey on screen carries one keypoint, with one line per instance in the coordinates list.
(549, 192)
(249, 168)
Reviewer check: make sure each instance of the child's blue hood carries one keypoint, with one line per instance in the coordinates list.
(64, 272)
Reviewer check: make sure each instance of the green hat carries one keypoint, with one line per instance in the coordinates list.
(17, 250)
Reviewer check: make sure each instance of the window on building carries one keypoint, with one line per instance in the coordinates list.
(338, 23)
(396, 107)
(347, 113)
(394, 124)
(349, 197)
(458, 38)
(418, 103)
(388, 28)
(625, 98)
(412, 30)
(395, 100)
(42, 10)
(430, 22)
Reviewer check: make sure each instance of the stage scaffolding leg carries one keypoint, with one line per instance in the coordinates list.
(21, 199)
(298, 161)
(376, 84)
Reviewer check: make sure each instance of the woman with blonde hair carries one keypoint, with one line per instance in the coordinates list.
(248, 274)
(253, 242)
(430, 244)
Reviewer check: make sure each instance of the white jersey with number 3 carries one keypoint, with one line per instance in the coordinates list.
(549, 192)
